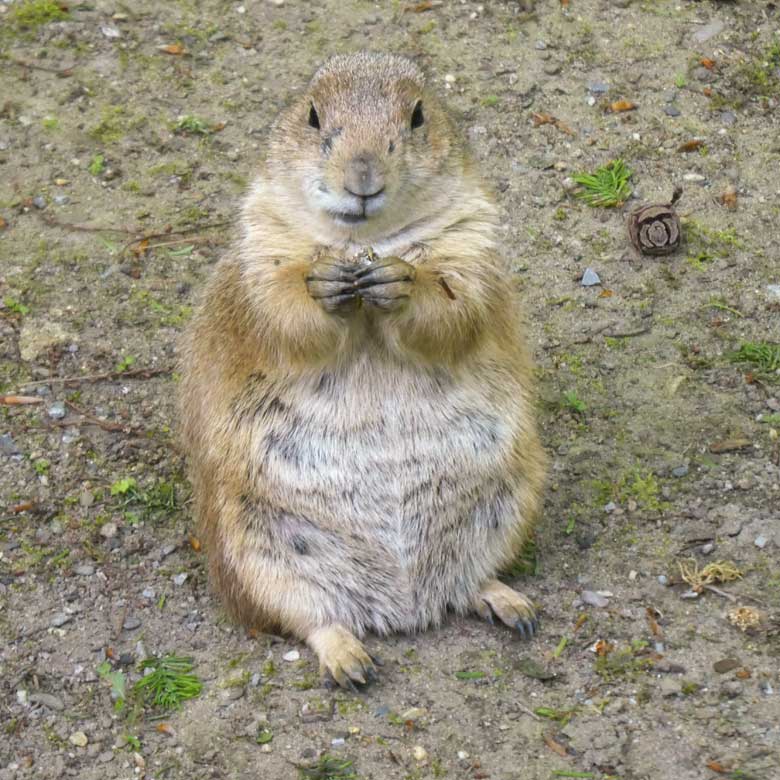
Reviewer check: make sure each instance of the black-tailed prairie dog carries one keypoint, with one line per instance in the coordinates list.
(356, 395)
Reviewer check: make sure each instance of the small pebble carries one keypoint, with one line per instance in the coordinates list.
(39, 202)
(669, 687)
(78, 738)
(594, 599)
(760, 542)
(8, 445)
(552, 68)
(728, 117)
(598, 87)
(672, 110)
(706, 549)
(680, 471)
(110, 31)
(338, 742)
(47, 700)
(590, 278)
(292, 655)
(696, 178)
(61, 200)
(415, 713)
(180, 579)
(689, 594)
(610, 507)
(131, 623)
(419, 753)
(148, 593)
(632, 575)
(773, 290)
(726, 665)
(84, 569)
(108, 530)
(60, 619)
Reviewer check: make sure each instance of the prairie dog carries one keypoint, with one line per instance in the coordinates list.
(356, 396)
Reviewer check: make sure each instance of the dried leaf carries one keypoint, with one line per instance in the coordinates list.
(556, 747)
(690, 146)
(173, 48)
(164, 728)
(3, 224)
(195, 543)
(728, 198)
(653, 623)
(19, 400)
(716, 766)
(540, 118)
(140, 248)
(743, 674)
(744, 618)
(602, 647)
(708, 63)
(580, 622)
(606, 294)
(707, 91)
(425, 5)
(622, 105)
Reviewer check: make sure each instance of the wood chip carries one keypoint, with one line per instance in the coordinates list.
(729, 445)
(20, 400)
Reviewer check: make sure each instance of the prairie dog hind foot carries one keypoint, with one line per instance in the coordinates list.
(512, 608)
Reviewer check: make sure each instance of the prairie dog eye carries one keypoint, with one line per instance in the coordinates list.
(314, 119)
(417, 115)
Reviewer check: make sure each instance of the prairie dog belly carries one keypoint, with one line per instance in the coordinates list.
(391, 490)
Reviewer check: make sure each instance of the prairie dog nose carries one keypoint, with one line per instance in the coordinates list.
(363, 176)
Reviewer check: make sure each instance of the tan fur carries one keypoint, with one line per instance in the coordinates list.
(368, 465)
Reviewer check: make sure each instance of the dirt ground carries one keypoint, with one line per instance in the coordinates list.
(128, 132)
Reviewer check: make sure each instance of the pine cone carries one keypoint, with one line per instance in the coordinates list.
(655, 229)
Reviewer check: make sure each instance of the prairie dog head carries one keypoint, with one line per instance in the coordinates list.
(366, 151)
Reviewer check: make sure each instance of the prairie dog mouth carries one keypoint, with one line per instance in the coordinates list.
(348, 217)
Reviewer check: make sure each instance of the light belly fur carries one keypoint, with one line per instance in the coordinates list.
(388, 493)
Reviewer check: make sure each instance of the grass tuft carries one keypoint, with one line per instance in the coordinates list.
(764, 355)
(169, 683)
(607, 186)
(35, 13)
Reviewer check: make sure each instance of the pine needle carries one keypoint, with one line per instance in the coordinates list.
(607, 186)
(169, 683)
